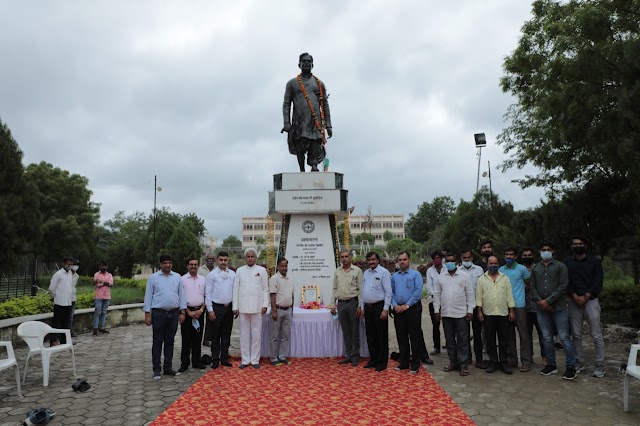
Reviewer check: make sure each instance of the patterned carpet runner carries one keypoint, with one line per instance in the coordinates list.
(313, 391)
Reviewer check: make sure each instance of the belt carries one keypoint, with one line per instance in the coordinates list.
(284, 308)
(224, 305)
(169, 311)
(193, 308)
(374, 303)
(347, 300)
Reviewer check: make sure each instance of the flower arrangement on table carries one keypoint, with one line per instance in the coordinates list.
(312, 305)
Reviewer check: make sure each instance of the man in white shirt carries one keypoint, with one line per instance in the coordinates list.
(61, 289)
(193, 286)
(281, 288)
(204, 270)
(453, 302)
(250, 302)
(74, 292)
(475, 272)
(432, 276)
(219, 295)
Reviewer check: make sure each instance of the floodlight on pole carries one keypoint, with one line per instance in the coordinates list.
(481, 142)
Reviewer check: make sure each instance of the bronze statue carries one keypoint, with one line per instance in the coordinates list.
(311, 116)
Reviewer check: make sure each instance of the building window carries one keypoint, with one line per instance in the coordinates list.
(247, 226)
(247, 238)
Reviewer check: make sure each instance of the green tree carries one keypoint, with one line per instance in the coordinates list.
(360, 238)
(428, 217)
(20, 218)
(69, 217)
(183, 244)
(232, 244)
(397, 245)
(165, 225)
(574, 75)
(387, 236)
(127, 242)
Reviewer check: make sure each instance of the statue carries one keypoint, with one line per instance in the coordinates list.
(306, 131)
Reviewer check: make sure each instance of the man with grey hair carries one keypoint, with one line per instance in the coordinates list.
(250, 301)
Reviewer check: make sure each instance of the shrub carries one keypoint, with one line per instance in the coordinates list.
(26, 305)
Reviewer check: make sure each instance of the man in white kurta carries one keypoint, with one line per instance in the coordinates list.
(250, 301)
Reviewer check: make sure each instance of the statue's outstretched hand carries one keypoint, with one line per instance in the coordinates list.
(329, 131)
(286, 128)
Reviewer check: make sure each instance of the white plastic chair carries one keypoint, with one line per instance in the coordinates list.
(632, 370)
(34, 332)
(10, 362)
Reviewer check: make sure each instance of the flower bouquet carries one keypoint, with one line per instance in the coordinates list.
(312, 305)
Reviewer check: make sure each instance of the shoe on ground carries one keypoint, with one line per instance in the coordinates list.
(558, 345)
(183, 368)
(598, 371)
(171, 372)
(156, 375)
(549, 370)
(569, 373)
(103, 331)
(444, 347)
(413, 371)
(285, 361)
(95, 332)
(370, 365)
(506, 369)
(226, 363)
(579, 366)
(491, 368)
(482, 365)
(206, 343)
(214, 364)
(256, 366)
(276, 362)
(242, 366)
(381, 368)
(427, 360)
(355, 362)
(199, 366)
(40, 416)
(401, 367)
(344, 361)
(434, 352)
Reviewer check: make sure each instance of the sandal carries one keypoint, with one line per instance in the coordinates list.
(450, 367)
(464, 371)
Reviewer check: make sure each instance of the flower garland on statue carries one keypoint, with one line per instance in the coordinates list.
(321, 103)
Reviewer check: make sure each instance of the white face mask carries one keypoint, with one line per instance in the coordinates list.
(75, 268)
(546, 255)
(467, 264)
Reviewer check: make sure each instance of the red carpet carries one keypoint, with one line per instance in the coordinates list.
(313, 391)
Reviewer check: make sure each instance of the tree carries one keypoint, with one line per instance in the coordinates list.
(20, 218)
(165, 225)
(428, 217)
(182, 245)
(397, 245)
(69, 217)
(574, 75)
(387, 236)
(232, 243)
(360, 238)
(128, 242)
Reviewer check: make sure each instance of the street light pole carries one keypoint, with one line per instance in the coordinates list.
(481, 142)
(155, 192)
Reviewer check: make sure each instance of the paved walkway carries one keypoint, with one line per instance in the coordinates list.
(118, 367)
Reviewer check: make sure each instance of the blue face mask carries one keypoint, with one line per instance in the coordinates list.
(451, 266)
(508, 261)
(546, 255)
(467, 264)
(493, 268)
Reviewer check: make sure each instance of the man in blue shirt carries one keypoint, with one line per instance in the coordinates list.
(164, 307)
(376, 298)
(517, 274)
(406, 285)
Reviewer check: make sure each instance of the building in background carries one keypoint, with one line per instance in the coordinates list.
(254, 228)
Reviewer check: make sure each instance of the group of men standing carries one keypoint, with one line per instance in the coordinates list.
(501, 296)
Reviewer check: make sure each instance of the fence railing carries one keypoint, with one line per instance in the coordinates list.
(18, 283)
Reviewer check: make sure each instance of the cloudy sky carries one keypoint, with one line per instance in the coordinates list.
(192, 92)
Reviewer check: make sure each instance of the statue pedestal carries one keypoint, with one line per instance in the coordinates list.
(309, 206)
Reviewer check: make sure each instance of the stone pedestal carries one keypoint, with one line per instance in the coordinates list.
(308, 206)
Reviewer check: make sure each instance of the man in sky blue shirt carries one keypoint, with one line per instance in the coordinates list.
(376, 299)
(517, 274)
(406, 302)
(164, 307)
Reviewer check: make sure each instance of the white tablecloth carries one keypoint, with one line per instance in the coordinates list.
(314, 334)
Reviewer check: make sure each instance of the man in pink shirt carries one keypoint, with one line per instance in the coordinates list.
(103, 281)
(193, 285)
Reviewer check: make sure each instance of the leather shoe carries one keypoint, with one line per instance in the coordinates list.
(370, 365)
(401, 367)
(226, 363)
(344, 361)
(214, 364)
(491, 368)
(171, 372)
(355, 362)
(506, 369)
(183, 368)
(482, 365)
(199, 366)
(381, 368)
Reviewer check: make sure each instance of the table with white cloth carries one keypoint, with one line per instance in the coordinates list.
(314, 334)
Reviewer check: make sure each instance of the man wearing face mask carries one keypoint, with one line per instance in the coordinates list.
(549, 281)
(103, 281)
(193, 286)
(61, 289)
(585, 284)
(474, 272)
(432, 276)
(528, 260)
(219, 294)
(486, 250)
(453, 302)
(517, 274)
(494, 299)
(204, 270)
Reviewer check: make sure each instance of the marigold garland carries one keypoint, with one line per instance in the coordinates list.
(321, 103)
